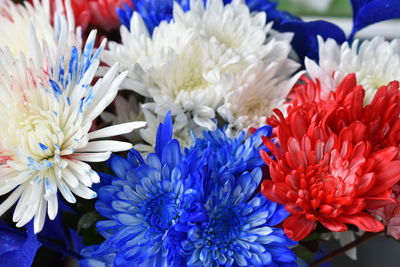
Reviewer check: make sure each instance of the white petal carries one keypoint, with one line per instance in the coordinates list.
(92, 157)
(53, 206)
(40, 216)
(100, 146)
(12, 198)
(66, 192)
(84, 192)
(70, 178)
(119, 129)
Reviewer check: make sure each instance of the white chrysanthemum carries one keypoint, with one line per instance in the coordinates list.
(189, 65)
(375, 62)
(47, 111)
(16, 21)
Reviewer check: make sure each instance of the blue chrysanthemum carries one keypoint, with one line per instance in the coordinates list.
(198, 208)
(238, 229)
(143, 205)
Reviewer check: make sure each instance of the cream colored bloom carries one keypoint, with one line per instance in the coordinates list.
(47, 111)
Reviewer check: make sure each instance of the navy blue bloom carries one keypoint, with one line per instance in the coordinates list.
(17, 248)
(305, 41)
(197, 208)
(367, 12)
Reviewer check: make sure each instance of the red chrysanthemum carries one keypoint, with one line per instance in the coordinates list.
(326, 167)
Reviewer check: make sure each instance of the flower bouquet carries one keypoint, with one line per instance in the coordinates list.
(194, 133)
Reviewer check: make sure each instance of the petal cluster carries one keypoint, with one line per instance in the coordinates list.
(328, 167)
(197, 208)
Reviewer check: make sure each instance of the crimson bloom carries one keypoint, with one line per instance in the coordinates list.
(325, 166)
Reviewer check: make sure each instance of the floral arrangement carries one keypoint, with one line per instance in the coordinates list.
(194, 133)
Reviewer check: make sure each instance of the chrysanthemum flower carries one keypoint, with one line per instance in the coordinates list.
(375, 62)
(47, 110)
(326, 167)
(192, 209)
(189, 64)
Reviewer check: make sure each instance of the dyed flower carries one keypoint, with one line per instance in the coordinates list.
(375, 63)
(48, 107)
(367, 12)
(326, 169)
(238, 227)
(160, 210)
(19, 22)
(18, 248)
(190, 64)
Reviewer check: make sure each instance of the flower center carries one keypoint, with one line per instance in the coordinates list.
(161, 212)
(193, 81)
(39, 139)
(224, 227)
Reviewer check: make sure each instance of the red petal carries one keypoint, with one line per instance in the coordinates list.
(356, 206)
(364, 221)
(387, 175)
(346, 86)
(372, 203)
(334, 225)
(275, 191)
(298, 227)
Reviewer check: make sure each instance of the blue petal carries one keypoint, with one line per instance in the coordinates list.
(135, 158)
(164, 134)
(172, 154)
(120, 165)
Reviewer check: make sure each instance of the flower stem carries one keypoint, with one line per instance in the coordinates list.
(355, 243)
